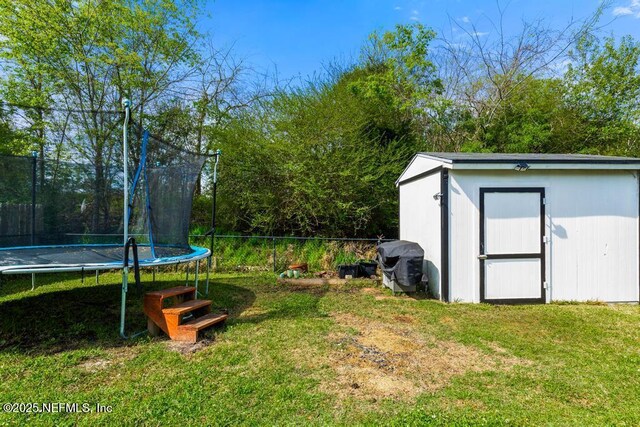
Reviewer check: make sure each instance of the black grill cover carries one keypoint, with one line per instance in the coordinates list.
(401, 261)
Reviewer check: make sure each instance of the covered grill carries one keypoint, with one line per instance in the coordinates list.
(401, 264)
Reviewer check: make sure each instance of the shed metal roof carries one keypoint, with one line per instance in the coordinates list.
(426, 163)
(529, 158)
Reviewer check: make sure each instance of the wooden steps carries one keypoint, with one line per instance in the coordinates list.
(204, 321)
(172, 292)
(187, 306)
(167, 309)
(189, 331)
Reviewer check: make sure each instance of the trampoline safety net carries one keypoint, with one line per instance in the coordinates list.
(162, 195)
(79, 201)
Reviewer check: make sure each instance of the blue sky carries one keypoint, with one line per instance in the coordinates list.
(298, 37)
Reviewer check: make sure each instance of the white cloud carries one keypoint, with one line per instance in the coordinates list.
(633, 8)
(397, 8)
(465, 19)
(415, 12)
(480, 33)
(622, 11)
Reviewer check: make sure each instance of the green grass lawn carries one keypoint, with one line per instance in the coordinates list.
(353, 355)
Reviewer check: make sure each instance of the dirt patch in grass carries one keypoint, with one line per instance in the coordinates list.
(402, 318)
(206, 339)
(384, 360)
(114, 357)
(253, 312)
(446, 320)
(187, 348)
(95, 365)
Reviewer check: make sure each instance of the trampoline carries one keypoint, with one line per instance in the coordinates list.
(94, 257)
(53, 215)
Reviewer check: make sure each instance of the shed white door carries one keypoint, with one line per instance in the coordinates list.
(511, 247)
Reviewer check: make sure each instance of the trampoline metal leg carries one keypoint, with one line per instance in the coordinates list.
(123, 302)
(97, 277)
(33, 281)
(123, 307)
(196, 275)
(208, 267)
(186, 283)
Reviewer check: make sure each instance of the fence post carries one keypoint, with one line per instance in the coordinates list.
(274, 256)
(34, 159)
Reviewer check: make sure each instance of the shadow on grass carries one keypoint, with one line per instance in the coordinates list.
(294, 302)
(419, 295)
(88, 316)
(303, 300)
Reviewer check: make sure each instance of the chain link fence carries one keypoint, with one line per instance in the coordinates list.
(236, 253)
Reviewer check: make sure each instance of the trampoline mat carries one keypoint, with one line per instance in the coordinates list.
(79, 255)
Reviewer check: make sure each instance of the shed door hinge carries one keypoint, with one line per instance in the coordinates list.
(546, 285)
(544, 200)
(545, 239)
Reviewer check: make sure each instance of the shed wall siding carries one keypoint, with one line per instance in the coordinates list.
(418, 165)
(591, 220)
(420, 223)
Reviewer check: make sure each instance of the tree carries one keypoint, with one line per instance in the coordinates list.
(323, 158)
(11, 142)
(26, 80)
(483, 72)
(216, 89)
(396, 79)
(85, 57)
(603, 85)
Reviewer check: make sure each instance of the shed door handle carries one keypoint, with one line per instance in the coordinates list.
(482, 256)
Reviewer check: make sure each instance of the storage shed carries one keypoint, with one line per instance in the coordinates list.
(525, 228)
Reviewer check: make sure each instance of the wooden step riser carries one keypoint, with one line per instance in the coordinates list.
(191, 335)
(186, 307)
(186, 336)
(153, 305)
(174, 321)
(204, 322)
(191, 315)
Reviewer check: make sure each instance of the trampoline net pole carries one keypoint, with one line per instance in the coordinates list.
(213, 214)
(125, 181)
(34, 166)
(125, 161)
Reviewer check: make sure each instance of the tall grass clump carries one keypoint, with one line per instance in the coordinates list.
(257, 254)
